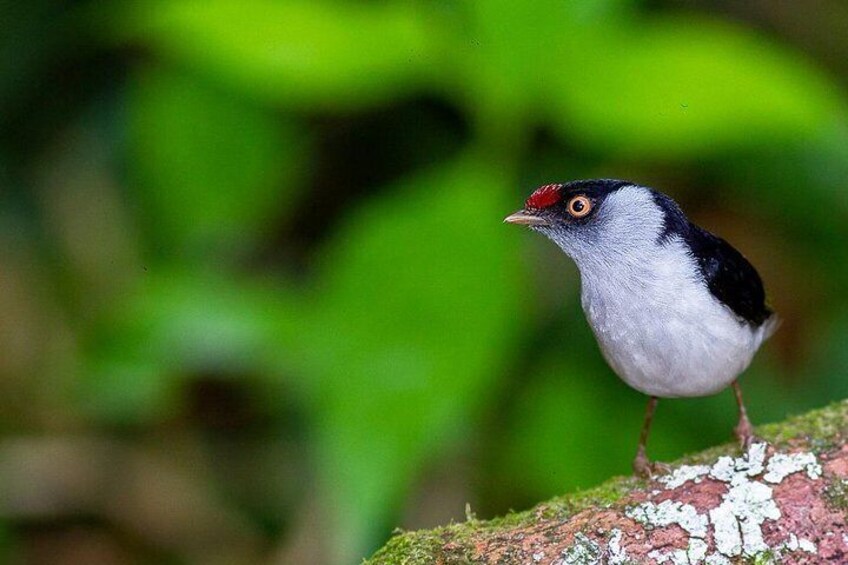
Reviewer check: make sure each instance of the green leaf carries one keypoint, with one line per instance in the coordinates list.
(307, 54)
(677, 88)
(511, 45)
(215, 170)
(772, 179)
(418, 307)
(183, 322)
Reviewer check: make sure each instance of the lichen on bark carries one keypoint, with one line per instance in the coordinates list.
(783, 501)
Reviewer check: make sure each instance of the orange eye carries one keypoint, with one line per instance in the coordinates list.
(579, 206)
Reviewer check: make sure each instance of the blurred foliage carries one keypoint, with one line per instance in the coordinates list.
(191, 143)
(258, 303)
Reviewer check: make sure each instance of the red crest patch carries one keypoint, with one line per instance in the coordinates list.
(544, 196)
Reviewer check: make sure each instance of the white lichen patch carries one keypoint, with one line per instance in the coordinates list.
(684, 474)
(675, 557)
(730, 469)
(724, 469)
(694, 554)
(739, 517)
(697, 550)
(670, 512)
(615, 553)
(716, 559)
(807, 545)
(584, 552)
(728, 538)
(781, 465)
(794, 543)
(752, 461)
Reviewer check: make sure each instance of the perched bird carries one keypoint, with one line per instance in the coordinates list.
(676, 310)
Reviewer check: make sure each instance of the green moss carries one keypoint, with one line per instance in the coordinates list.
(819, 430)
(452, 544)
(764, 558)
(822, 428)
(836, 495)
(604, 495)
(421, 548)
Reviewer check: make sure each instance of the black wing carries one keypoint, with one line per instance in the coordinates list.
(729, 276)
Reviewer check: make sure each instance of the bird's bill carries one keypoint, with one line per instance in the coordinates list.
(525, 218)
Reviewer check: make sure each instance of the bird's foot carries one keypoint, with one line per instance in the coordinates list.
(744, 432)
(647, 469)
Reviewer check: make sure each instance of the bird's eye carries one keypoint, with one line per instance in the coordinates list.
(579, 206)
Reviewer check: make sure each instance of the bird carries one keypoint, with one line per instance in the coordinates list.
(676, 310)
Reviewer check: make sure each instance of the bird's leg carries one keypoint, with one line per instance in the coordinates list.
(744, 430)
(641, 465)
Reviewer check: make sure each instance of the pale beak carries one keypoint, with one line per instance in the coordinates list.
(525, 218)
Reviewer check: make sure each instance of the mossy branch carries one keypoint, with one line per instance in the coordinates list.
(785, 500)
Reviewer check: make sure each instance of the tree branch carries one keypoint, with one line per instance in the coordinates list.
(785, 500)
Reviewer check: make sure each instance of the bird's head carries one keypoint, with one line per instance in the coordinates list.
(596, 219)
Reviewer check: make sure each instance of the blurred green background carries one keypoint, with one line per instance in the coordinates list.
(257, 302)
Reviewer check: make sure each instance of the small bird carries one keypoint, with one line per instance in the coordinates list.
(676, 311)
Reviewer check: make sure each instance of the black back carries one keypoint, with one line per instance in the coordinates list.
(729, 276)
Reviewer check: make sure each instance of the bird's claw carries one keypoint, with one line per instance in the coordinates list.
(744, 432)
(647, 469)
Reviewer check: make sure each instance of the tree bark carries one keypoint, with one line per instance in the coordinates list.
(785, 500)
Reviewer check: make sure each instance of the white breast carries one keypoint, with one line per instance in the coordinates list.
(661, 329)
